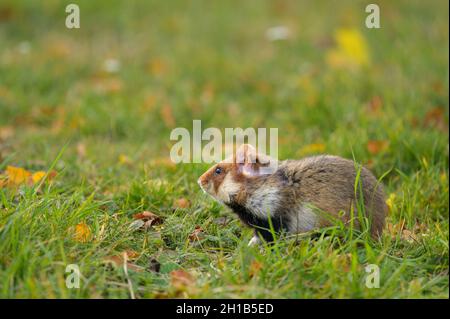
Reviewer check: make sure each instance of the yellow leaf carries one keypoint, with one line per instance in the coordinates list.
(351, 49)
(125, 160)
(390, 201)
(37, 176)
(82, 232)
(17, 175)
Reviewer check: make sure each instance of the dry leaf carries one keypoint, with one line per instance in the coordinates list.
(131, 254)
(148, 216)
(120, 260)
(181, 203)
(181, 280)
(399, 229)
(374, 147)
(82, 232)
(197, 234)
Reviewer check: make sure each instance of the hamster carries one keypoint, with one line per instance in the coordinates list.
(297, 195)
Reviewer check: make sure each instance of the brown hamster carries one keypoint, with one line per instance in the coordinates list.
(298, 194)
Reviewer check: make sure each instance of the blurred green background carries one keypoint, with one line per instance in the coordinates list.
(113, 90)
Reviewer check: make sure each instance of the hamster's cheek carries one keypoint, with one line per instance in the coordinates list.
(227, 187)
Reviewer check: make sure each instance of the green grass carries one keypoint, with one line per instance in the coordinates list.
(211, 61)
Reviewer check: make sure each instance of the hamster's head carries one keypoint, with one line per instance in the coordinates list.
(226, 180)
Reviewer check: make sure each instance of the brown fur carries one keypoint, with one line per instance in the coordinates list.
(326, 183)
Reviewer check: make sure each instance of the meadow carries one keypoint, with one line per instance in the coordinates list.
(85, 120)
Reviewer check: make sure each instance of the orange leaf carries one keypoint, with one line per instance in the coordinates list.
(374, 147)
(255, 268)
(37, 176)
(182, 203)
(17, 175)
(82, 232)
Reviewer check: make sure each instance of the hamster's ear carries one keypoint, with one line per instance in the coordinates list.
(246, 160)
(251, 163)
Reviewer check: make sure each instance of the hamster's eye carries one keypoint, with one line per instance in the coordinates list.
(218, 171)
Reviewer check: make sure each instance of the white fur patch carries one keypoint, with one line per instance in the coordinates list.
(264, 201)
(303, 220)
(254, 241)
(227, 188)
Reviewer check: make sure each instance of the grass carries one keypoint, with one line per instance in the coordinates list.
(107, 135)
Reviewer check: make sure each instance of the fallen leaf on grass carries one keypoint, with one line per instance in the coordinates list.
(16, 176)
(145, 220)
(82, 233)
(377, 146)
(148, 217)
(121, 260)
(181, 280)
(391, 201)
(197, 234)
(255, 268)
(351, 50)
(181, 203)
(131, 254)
(37, 176)
(410, 236)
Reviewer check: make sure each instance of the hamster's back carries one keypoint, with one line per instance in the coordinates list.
(328, 183)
